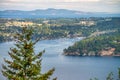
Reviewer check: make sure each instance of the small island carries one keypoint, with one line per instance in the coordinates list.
(107, 44)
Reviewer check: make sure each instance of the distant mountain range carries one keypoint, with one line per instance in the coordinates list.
(53, 13)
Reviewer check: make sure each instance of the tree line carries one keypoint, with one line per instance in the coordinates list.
(60, 27)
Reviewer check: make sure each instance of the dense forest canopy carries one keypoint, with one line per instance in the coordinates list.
(103, 45)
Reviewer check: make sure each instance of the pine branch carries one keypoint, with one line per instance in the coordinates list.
(14, 56)
(47, 74)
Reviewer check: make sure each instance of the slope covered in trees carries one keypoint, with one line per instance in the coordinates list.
(103, 45)
(58, 27)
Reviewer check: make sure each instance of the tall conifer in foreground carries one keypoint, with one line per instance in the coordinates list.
(25, 64)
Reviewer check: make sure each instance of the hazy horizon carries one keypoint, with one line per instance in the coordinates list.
(109, 6)
(58, 9)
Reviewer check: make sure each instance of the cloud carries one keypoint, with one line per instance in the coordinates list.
(50, 1)
(112, 2)
(81, 0)
(60, 1)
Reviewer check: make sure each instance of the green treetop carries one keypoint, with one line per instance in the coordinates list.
(24, 63)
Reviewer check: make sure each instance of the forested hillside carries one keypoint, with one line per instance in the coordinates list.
(103, 45)
(59, 27)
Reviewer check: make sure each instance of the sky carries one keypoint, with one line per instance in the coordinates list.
(110, 6)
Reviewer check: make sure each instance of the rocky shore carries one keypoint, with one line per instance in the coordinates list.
(107, 52)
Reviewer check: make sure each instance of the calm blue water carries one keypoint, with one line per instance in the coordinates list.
(68, 68)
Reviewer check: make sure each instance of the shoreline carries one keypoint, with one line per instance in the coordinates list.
(68, 54)
(79, 37)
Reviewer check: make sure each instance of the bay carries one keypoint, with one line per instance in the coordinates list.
(68, 67)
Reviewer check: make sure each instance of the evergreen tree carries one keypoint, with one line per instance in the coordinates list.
(24, 63)
(110, 76)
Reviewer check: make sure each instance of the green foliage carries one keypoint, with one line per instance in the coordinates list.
(93, 45)
(24, 63)
(94, 79)
(118, 73)
(59, 27)
(110, 76)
